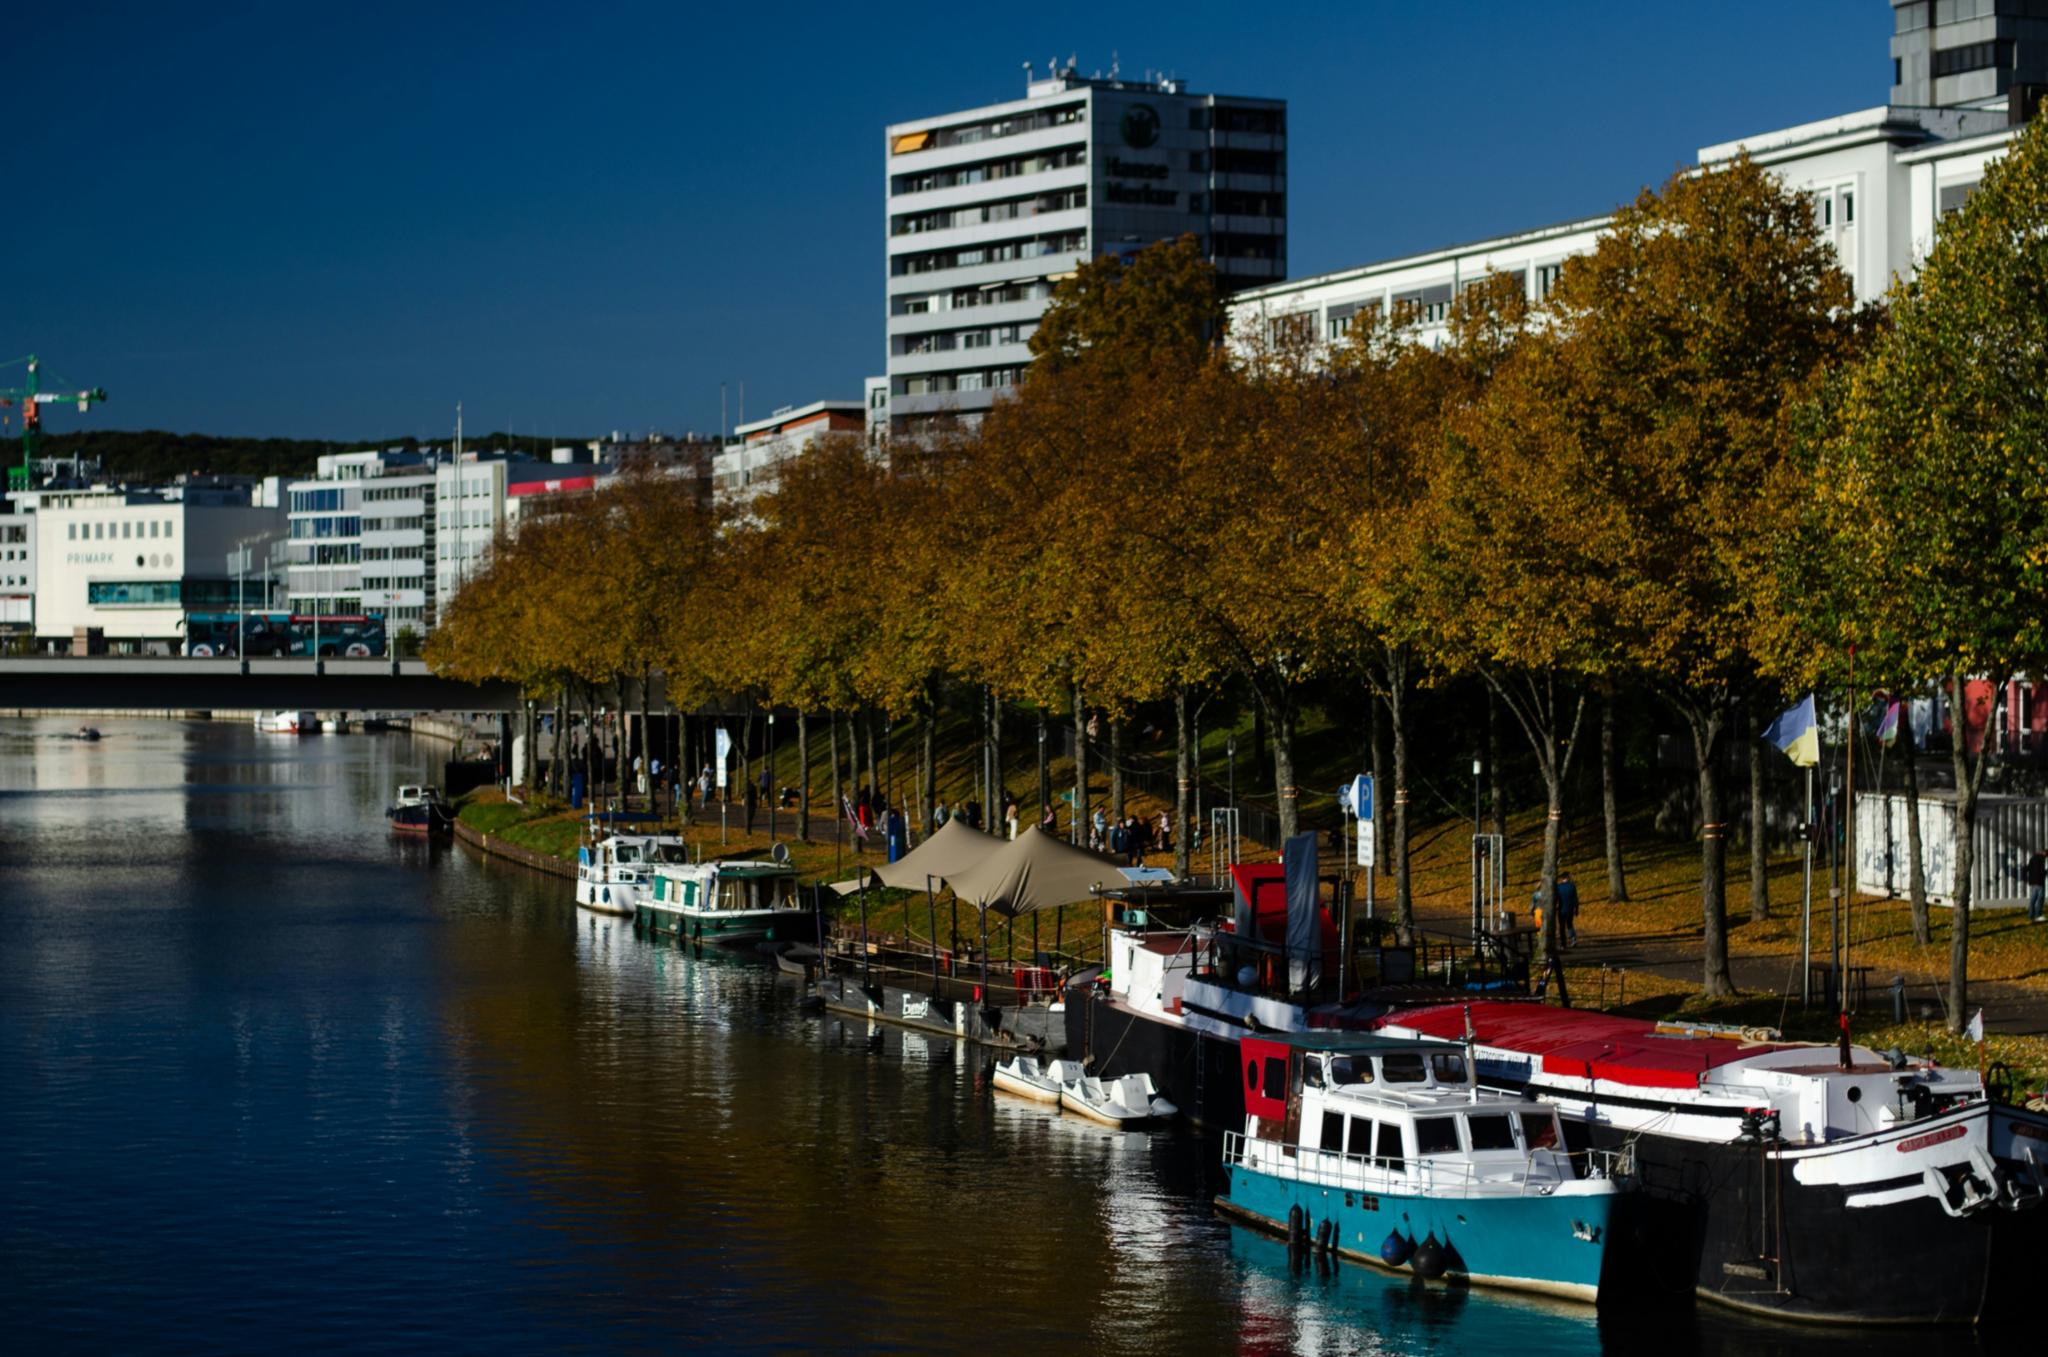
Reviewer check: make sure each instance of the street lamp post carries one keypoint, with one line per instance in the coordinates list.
(1230, 747)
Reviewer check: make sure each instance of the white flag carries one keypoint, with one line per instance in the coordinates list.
(1975, 1031)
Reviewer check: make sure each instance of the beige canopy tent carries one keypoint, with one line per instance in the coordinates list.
(955, 848)
(1033, 872)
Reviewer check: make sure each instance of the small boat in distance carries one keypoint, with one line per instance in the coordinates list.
(87, 733)
(419, 810)
(288, 722)
(1028, 1077)
(1130, 1100)
(1386, 1150)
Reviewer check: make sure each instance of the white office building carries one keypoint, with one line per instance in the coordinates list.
(361, 534)
(1879, 178)
(990, 207)
(132, 563)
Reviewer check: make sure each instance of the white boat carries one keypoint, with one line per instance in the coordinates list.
(1127, 1101)
(616, 873)
(288, 722)
(1028, 1077)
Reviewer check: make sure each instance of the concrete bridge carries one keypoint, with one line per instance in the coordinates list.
(152, 683)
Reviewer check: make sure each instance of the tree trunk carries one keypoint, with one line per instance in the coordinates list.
(927, 765)
(1496, 792)
(1610, 807)
(1384, 860)
(1184, 755)
(1707, 723)
(647, 736)
(1759, 865)
(1258, 737)
(1397, 717)
(1969, 782)
(995, 745)
(803, 776)
(1916, 871)
(555, 766)
(1281, 718)
(1116, 768)
(1078, 834)
(867, 721)
(833, 795)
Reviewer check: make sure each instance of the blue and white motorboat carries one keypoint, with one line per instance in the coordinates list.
(1386, 1150)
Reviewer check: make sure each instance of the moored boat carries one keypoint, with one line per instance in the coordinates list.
(1128, 1100)
(727, 902)
(288, 722)
(1029, 1077)
(1823, 1183)
(1386, 1151)
(419, 810)
(615, 873)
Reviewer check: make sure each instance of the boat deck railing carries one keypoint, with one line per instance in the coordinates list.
(1424, 1177)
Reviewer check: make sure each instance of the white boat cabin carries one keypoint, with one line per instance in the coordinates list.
(725, 887)
(1375, 1114)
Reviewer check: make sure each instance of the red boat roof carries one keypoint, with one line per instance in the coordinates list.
(1578, 1044)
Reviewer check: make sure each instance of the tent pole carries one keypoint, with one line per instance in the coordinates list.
(931, 910)
(864, 930)
(984, 953)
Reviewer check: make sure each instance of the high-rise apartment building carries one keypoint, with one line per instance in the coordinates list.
(989, 208)
(1969, 52)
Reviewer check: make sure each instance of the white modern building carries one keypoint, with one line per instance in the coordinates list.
(1880, 179)
(132, 563)
(990, 207)
(361, 534)
(17, 574)
(747, 465)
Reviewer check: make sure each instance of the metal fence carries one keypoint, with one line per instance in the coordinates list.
(2008, 829)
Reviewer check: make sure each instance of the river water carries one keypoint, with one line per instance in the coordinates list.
(272, 1078)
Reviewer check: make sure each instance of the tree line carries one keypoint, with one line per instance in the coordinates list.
(1698, 474)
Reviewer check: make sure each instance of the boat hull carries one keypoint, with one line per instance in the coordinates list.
(1758, 1240)
(416, 820)
(727, 927)
(1024, 1088)
(1554, 1246)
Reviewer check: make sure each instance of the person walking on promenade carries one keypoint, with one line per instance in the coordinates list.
(1099, 831)
(753, 799)
(2035, 874)
(1568, 909)
(939, 814)
(1009, 818)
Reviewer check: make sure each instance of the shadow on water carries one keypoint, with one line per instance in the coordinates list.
(278, 1079)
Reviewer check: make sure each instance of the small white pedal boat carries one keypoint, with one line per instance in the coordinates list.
(1028, 1077)
(1129, 1101)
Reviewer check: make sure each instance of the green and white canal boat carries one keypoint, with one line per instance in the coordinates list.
(733, 901)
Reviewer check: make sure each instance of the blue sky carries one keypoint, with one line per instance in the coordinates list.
(336, 222)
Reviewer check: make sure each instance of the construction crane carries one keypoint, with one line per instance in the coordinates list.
(31, 399)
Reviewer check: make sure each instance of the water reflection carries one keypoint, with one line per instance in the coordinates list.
(275, 1078)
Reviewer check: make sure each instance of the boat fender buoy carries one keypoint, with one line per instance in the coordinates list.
(1325, 1235)
(1396, 1248)
(1430, 1258)
(1295, 1220)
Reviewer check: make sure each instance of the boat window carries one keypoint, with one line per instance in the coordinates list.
(1491, 1132)
(1436, 1135)
(1312, 1072)
(1539, 1130)
(1360, 1143)
(1345, 1070)
(629, 854)
(1333, 1132)
(1390, 1146)
(1402, 1069)
(1448, 1069)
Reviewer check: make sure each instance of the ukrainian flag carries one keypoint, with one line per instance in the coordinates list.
(1796, 733)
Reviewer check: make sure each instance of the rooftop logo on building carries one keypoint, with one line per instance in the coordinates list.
(1140, 126)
